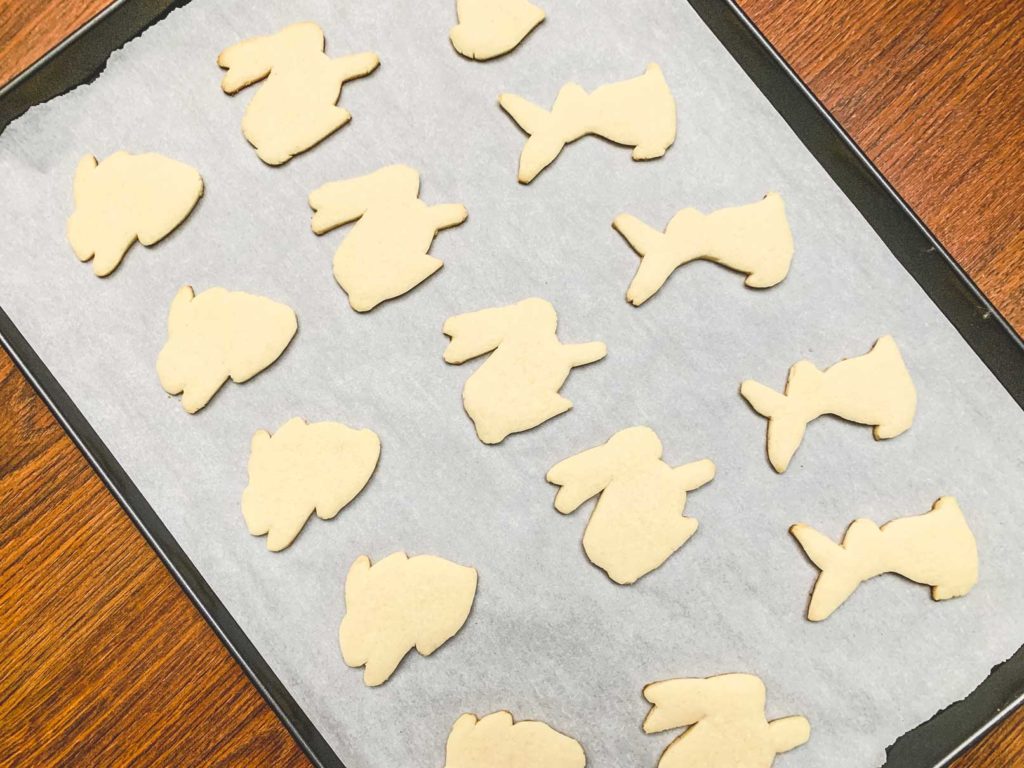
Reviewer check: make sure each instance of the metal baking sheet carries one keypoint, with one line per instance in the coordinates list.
(550, 637)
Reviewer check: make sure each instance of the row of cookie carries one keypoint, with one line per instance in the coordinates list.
(222, 334)
(296, 107)
(400, 603)
(386, 253)
(637, 523)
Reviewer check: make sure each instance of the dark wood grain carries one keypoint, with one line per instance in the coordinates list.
(931, 91)
(106, 663)
(29, 28)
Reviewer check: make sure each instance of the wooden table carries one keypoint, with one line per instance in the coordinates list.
(105, 661)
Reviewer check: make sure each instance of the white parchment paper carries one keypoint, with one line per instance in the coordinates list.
(550, 637)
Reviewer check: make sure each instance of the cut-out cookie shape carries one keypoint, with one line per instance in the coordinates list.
(303, 468)
(936, 548)
(638, 520)
(638, 113)
(127, 198)
(385, 254)
(297, 105)
(754, 239)
(517, 387)
(497, 741)
(401, 603)
(874, 389)
(491, 28)
(725, 720)
(218, 335)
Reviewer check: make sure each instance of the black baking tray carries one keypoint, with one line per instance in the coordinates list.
(933, 744)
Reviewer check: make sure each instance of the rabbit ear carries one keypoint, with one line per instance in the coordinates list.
(587, 474)
(839, 575)
(675, 703)
(581, 477)
(476, 333)
(251, 60)
(527, 115)
(765, 400)
(339, 202)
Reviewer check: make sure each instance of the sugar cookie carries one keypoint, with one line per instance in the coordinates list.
(638, 113)
(216, 335)
(297, 106)
(497, 741)
(401, 603)
(754, 239)
(491, 28)
(385, 254)
(127, 198)
(517, 387)
(638, 520)
(725, 723)
(874, 389)
(303, 468)
(936, 548)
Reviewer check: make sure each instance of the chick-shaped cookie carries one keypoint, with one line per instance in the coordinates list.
(219, 335)
(126, 198)
(301, 468)
(400, 603)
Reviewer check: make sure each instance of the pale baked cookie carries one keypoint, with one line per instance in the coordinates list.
(497, 741)
(491, 28)
(874, 389)
(517, 387)
(725, 723)
(754, 239)
(218, 335)
(385, 254)
(127, 198)
(303, 468)
(638, 113)
(401, 603)
(638, 521)
(297, 105)
(936, 548)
